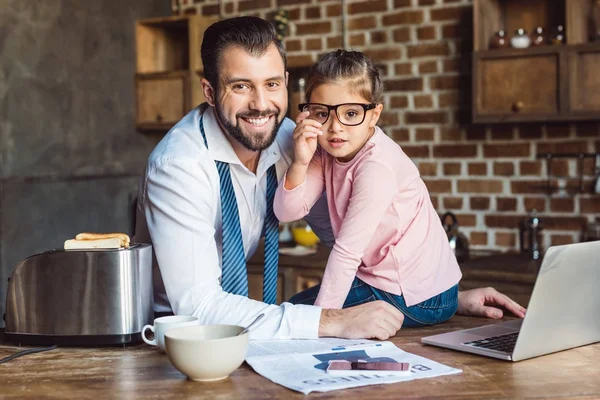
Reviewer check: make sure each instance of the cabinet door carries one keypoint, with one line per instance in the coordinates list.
(162, 100)
(304, 282)
(255, 286)
(584, 80)
(514, 86)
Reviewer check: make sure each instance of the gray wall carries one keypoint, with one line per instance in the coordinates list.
(70, 155)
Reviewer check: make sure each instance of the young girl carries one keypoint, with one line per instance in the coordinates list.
(389, 242)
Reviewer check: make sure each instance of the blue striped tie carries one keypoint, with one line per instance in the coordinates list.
(271, 242)
(234, 274)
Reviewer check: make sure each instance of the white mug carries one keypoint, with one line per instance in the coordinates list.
(163, 324)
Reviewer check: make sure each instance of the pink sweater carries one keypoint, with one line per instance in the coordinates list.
(386, 230)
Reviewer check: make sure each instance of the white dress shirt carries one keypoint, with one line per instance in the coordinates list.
(179, 212)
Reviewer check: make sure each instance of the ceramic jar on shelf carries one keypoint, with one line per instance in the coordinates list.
(538, 37)
(499, 40)
(558, 36)
(520, 40)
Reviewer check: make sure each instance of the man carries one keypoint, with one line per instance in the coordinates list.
(218, 162)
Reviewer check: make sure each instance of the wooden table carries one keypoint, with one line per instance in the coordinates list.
(141, 371)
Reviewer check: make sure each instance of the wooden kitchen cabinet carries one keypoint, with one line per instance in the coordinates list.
(163, 98)
(551, 82)
(291, 280)
(296, 273)
(255, 286)
(512, 274)
(584, 80)
(168, 69)
(511, 86)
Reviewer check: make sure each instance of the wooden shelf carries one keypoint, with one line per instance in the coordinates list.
(490, 16)
(163, 74)
(169, 70)
(167, 62)
(162, 45)
(301, 61)
(162, 99)
(510, 52)
(165, 21)
(544, 83)
(156, 127)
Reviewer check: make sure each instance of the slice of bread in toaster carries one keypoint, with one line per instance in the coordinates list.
(96, 236)
(110, 243)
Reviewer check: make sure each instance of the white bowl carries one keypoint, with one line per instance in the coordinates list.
(206, 352)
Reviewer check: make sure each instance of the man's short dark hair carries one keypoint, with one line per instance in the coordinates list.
(252, 34)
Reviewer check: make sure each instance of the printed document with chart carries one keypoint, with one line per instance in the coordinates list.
(301, 364)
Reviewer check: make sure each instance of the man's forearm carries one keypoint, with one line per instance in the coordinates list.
(329, 325)
(376, 319)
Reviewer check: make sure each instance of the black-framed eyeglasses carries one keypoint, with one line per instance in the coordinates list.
(349, 114)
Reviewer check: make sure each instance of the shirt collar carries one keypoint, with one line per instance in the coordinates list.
(220, 149)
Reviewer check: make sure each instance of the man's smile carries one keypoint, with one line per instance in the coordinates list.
(258, 122)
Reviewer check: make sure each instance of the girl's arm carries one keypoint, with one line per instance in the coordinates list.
(303, 183)
(294, 204)
(305, 144)
(373, 191)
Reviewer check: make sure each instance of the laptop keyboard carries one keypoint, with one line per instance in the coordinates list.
(503, 343)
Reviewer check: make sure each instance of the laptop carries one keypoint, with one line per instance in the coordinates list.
(563, 311)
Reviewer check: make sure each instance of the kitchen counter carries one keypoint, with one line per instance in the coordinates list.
(142, 371)
(512, 273)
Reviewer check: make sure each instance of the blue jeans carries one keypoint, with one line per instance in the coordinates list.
(432, 311)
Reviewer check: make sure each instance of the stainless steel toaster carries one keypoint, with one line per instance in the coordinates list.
(81, 297)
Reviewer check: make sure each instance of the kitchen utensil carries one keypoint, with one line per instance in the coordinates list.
(252, 323)
(592, 231)
(538, 37)
(499, 40)
(285, 235)
(164, 324)
(304, 235)
(520, 39)
(559, 35)
(458, 242)
(530, 230)
(81, 297)
(207, 352)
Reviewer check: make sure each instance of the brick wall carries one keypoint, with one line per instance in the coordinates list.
(487, 175)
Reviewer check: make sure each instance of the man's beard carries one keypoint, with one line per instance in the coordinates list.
(252, 143)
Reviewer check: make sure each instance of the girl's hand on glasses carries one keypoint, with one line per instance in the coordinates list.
(305, 138)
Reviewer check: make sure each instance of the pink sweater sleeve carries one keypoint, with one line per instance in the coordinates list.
(294, 204)
(373, 190)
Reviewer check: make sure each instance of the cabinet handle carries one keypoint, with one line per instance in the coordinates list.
(159, 117)
(518, 106)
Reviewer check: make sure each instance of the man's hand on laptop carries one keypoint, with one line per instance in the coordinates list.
(376, 319)
(487, 302)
